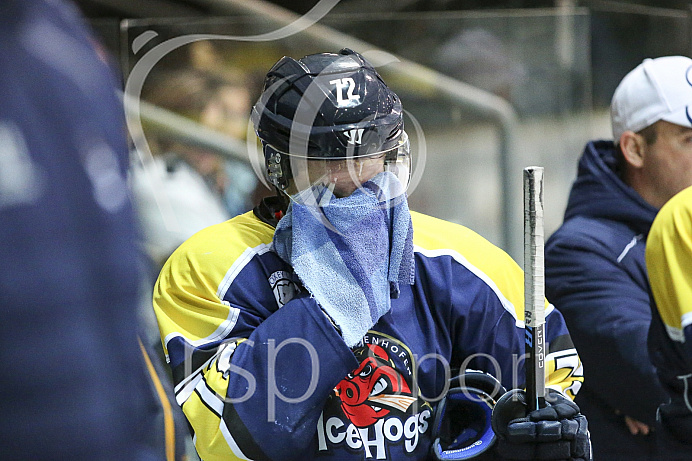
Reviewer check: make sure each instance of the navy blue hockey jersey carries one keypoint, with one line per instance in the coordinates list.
(262, 374)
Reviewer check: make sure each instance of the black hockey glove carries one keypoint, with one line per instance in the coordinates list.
(556, 432)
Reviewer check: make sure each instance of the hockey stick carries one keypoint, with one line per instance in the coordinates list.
(534, 290)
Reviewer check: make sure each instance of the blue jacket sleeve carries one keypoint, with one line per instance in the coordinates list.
(606, 306)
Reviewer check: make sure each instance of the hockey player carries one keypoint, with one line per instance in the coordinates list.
(668, 260)
(325, 323)
(595, 265)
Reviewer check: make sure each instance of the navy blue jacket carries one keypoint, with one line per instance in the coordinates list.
(596, 276)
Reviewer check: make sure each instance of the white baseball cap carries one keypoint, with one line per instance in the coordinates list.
(657, 89)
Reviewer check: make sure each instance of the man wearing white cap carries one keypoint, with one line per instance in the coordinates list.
(657, 94)
(595, 264)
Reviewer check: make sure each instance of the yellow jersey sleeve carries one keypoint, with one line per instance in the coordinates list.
(669, 263)
(189, 307)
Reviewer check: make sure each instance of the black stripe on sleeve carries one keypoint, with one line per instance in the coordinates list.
(241, 435)
(560, 343)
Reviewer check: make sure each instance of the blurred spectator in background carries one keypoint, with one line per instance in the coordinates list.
(75, 383)
(669, 260)
(194, 184)
(478, 57)
(595, 263)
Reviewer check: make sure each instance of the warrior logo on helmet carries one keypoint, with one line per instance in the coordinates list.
(354, 136)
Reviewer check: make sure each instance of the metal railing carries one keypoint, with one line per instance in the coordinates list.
(495, 109)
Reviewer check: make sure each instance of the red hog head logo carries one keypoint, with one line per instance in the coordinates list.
(374, 389)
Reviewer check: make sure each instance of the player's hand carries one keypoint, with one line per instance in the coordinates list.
(557, 432)
(636, 427)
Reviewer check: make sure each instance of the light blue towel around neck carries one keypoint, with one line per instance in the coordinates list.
(350, 253)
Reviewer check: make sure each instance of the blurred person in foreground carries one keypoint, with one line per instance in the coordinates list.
(325, 323)
(595, 264)
(74, 380)
(669, 262)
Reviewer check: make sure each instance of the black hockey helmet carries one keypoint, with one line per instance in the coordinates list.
(328, 106)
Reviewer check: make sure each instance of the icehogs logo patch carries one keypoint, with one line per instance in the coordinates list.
(376, 405)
